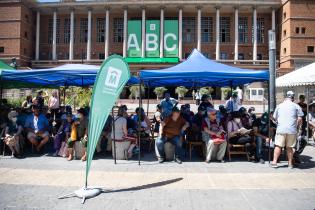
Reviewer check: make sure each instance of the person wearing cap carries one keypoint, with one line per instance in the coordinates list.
(79, 132)
(214, 137)
(288, 116)
(36, 126)
(167, 105)
(171, 129)
(13, 134)
(261, 133)
(232, 105)
(63, 133)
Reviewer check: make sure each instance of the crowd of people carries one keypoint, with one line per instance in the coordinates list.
(35, 124)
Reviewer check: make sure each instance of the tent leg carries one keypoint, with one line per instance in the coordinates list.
(307, 111)
(139, 125)
(148, 101)
(114, 136)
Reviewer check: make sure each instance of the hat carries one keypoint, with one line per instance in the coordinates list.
(264, 118)
(12, 114)
(211, 110)
(175, 109)
(290, 94)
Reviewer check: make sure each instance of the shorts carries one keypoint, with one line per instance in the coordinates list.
(38, 137)
(285, 140)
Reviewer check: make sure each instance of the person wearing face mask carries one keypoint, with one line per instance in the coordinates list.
(79, 131)
(13, 137)
(36, 126)
(237, 134)
(214, 137)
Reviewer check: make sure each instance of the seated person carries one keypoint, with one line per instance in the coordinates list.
(145, 123)
(79, 131)
(197, 124)
(260, 128)
(63, 133)
(222, 116)
(245, 118)
(237, 134)
(157, 118)
(214, 137)
(251, 113)
(36, 127)
(171, 129)
(119, 130)
(311, 119)
(13, 134)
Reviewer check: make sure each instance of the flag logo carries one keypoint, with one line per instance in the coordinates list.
(112, 77)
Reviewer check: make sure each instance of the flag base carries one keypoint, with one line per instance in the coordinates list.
(88, 192)
(84, 193)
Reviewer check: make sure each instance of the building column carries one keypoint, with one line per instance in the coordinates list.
(236, 34)
(107, 34)
(125, 33)
(217, 49)
(180, 34)
(54, 57)
(89, 36)
(37, 35)
(143, 33)
(71, 35)
(255, 34)
(162, 33)
(199, 29)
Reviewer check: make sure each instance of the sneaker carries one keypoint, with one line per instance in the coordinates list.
(177, 160)
(290, 166)
(273, 165)
(161, 160)
(262, 161)
(55, 154)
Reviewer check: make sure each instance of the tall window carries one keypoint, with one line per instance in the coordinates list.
(100, 27)
(50, 31)
(206, 29)
(189, 29)
(224, 29)
(260, 30)
(66, 31)
(118, 29)
(243, 30)
(83, 29)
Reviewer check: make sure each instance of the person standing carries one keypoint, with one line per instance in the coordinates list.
(53, 103)
(197, 97)
(239, 95)
(167, 105)
(288, 116)
(232, 105)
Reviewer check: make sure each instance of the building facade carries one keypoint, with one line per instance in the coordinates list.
(49, 34)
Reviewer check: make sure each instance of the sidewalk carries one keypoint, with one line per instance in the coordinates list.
(36, 182)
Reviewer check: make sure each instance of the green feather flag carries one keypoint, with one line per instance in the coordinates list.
(111, 79)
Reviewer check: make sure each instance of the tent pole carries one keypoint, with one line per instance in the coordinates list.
(307, 111)
(114, 136)
(148, 100)
(139, 124)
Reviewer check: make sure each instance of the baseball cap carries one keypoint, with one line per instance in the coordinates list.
(290, 94)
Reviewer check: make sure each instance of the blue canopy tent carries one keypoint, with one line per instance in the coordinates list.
(199, 71)
(65, 75)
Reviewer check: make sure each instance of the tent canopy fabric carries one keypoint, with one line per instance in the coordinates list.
(302, 77)
(65, 75)
(199, 71)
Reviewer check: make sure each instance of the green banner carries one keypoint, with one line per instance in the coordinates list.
(170, 38)
(134, 38)
(111, 79)
(152, 41)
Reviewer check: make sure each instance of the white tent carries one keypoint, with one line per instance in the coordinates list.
(304, 76)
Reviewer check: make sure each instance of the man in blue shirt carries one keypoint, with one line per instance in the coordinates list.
(288, 116)
(167, 105)
(36, 126)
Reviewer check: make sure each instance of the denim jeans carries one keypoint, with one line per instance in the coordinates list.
(175, 141)
(259, 147)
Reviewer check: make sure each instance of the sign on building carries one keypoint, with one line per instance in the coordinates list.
(152, 41)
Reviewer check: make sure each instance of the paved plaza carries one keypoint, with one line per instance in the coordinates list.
(37, 182)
